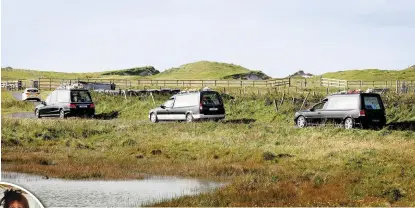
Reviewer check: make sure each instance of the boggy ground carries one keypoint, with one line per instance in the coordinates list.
(265, 160)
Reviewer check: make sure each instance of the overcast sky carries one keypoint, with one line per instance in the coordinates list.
(275, 36)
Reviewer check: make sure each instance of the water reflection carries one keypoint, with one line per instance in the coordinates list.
(98, 193)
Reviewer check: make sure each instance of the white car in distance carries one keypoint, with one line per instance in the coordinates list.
(31, 94)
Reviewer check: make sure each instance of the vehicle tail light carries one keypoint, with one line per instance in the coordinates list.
(362, 113)
(27, 93)
(72, 105)
(201, 106)
(92, 106)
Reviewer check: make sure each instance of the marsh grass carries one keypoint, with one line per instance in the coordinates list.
(266, 161)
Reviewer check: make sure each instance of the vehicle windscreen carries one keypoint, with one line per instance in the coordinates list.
(211, 99)
(80, 96)
(372, 102)
(32, 90)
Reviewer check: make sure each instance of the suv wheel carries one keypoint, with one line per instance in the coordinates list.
(301, 122)
(62, 114)
(153, 118)
(349, 123)
(37, 113)
(189, 118)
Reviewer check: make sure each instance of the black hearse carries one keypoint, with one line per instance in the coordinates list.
(190, 106)
(350, 110)
(66, 102)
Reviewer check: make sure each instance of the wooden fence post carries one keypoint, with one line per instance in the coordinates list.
(282, 98)
(276, 105)
(50, 84)
(305, 100)
(397, 86)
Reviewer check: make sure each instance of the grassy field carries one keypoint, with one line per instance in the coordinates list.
(265, 160)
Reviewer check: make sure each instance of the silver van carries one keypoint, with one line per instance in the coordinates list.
(190, 106)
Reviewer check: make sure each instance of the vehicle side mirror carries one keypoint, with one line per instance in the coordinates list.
(43, 102)
(162, 106)
(312, 109)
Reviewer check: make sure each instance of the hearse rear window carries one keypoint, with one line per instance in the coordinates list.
(80, 96)
(372, 102)
(211, 99)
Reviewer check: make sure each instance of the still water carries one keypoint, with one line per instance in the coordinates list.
(55, 192)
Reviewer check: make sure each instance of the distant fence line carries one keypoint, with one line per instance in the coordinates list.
(296, 83)
(50, 84)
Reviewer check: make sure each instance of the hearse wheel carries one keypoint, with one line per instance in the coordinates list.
(153, 118)
(189, 118)
(349, 123)
(62, 114)
(37, 113)
(301, 122)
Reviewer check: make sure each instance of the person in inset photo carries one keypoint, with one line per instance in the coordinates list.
(14, 199)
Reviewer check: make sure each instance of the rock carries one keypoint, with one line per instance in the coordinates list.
(268, 156)
(140, 156)
(284, 155)
(156, 152)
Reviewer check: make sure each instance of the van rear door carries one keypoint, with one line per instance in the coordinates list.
(373, 108)
(211, 103)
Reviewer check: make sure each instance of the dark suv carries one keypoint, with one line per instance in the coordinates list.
(66, 102)
(350, 110)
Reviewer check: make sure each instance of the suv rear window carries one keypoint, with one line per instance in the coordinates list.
(372, 102)
(211, 99)
(80, 96)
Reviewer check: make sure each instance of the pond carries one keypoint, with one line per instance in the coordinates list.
(55, 192)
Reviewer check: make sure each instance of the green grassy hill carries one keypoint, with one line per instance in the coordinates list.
(133, 73)
(196, 70)
(202, 70)
(373, 74)
(138, 71)
(14, 74)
